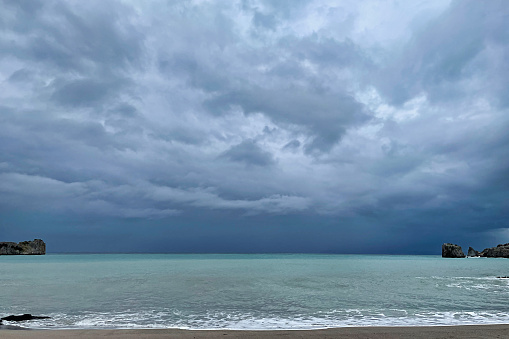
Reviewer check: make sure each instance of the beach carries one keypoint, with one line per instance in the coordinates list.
(450, 332)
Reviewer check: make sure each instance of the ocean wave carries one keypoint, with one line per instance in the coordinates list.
(238, 321)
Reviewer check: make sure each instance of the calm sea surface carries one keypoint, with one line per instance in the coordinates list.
(252, 291)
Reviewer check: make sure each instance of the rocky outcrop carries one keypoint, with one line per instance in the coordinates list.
(473, 253)
(34, 247)
(452, 251)
(455, 251)
(501, 251)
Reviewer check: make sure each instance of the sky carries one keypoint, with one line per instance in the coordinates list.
(255, 126)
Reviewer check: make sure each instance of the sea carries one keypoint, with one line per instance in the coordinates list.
(252, 291)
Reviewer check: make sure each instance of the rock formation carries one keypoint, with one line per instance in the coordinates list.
(35, 247)
(452, 251)
(455, 251)
(473, 253)
(501, 251)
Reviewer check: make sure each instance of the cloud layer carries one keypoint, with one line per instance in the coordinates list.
(331, 121)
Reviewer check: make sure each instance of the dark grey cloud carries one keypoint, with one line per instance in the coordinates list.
(292, 145)
(21, 75)
(249, 153)
(84, 92)
(326, 115)
(277, 126)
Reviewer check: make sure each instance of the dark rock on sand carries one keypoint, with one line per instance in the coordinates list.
(473, 253)
(501, 251)
(452, 251)
(34, 247)
(22, 317)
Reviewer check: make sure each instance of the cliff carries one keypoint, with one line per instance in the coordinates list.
(500, 251)
(34, 247)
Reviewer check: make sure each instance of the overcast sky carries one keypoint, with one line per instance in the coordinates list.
(254, 126)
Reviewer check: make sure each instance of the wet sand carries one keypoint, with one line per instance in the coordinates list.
(449, 332)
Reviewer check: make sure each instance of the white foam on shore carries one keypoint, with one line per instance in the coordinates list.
(232, 321)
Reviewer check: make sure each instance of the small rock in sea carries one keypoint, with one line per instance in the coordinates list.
(473, 253)
(22, 317)
(503, 277)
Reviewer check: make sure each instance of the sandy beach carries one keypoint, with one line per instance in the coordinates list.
(449, 332)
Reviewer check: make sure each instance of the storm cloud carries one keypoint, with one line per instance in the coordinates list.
(251, 126)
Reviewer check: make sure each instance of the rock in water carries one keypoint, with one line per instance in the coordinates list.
(452, 251)
(22, 317)
(473, 253)
(34, 247)
(501, 251)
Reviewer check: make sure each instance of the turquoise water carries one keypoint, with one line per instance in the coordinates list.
(253, 291)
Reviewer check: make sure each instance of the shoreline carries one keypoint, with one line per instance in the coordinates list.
(450, 332)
